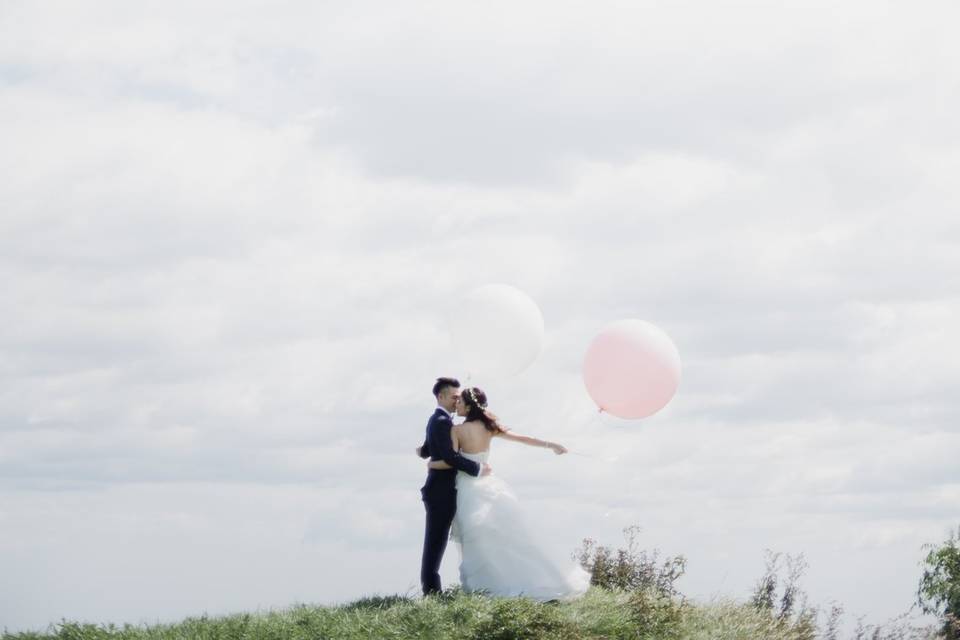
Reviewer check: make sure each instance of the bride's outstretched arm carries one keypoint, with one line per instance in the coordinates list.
(506, 434)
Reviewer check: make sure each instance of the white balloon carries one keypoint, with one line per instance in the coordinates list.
(497, 330)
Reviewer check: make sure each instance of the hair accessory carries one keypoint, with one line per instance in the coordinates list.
(473, 398)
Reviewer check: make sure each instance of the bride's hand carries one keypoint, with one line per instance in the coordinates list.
(558, 449)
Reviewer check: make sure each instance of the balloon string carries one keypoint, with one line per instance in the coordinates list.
(594, 420)
(607, 459)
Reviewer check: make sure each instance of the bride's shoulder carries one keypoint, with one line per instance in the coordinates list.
(471, 426)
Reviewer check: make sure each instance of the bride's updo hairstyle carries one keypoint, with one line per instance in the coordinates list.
(476, 401)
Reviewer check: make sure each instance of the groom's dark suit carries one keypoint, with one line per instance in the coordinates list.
(439, 496)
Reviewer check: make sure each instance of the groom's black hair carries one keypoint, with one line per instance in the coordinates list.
(443, 383)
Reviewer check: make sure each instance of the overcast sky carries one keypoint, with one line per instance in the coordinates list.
(231, 232)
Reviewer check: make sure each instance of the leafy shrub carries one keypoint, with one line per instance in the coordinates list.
(630, 568)
(939, 589)
(789, 609)
(655, 614)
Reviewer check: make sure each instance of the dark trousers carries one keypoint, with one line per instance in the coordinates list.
(440, 507)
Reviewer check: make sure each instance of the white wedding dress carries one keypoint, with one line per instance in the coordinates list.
(499, 553)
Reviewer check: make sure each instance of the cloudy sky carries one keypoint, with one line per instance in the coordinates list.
(231, 234)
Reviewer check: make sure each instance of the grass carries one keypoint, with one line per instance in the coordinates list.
(601, 614)
(633, 597)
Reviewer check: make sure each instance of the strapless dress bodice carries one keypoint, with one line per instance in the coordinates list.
(479, 457)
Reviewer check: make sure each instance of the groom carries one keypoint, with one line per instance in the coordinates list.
(440, 493)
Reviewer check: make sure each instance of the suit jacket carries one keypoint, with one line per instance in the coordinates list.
(438, 446)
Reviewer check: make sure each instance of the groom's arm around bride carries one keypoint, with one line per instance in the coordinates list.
(438, 445)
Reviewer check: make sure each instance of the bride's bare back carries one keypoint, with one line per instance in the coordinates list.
(471, 437)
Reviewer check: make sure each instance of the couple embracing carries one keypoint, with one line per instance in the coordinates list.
(499, 552)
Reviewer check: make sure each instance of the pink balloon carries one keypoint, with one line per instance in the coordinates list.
(632, 369)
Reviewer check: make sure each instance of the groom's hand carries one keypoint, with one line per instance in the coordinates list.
(486, 469)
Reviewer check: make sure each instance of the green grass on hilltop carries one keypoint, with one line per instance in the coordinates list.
(633, 597)
(600, 614)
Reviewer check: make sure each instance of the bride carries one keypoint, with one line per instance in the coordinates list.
(498, 550)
